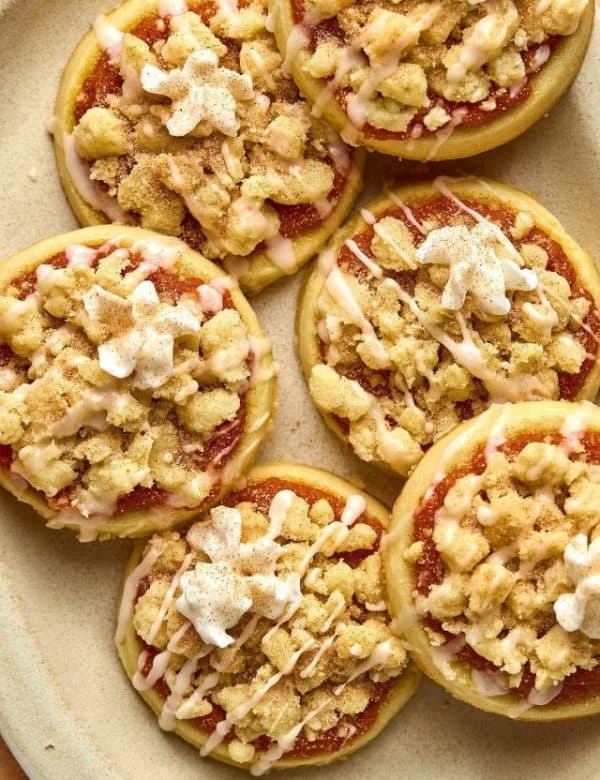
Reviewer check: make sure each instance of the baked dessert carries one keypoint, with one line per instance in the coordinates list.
(492, 561)
(433, 80)
(180, 117)
(262, 636)
(136, 383)
(436, 300)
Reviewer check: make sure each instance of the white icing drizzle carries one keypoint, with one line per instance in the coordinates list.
(443, 655)
(385, 236)
(224, 727)
(575, 425)
(550, 293)
(357, 104)
(372, 266)
(515, 89)
(192, 202)
(535, 699)
(90, 411)
(323, 207)
(407, 211)
(381, 606)
(540, 58)
(350, 58)
(79, 255)
(497, 437)
(278, 510)
(281, 253)
(168, 598)
(368, 216)
(188, 707)
(131, 585)
(172, 7)
(109, 37)
(7, 378)
(312, 575)
(89, 190)
(210, 295)
(355, 506)
(159, 666)
(228, 655)
(338, 288)
(298, 39)
(160, 662)
(183, 679)
(283, 743)
(480, 39)
(378, 657)
(490, 683)
(155, 256)
(441, 184)
(444, 134)
(333, 617)
(323, 648)
(466, 353)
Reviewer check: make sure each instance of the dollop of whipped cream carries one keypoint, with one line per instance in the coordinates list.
(238, 579)
(580, 610)
(143, 332)
(482, 262)
(201, 91)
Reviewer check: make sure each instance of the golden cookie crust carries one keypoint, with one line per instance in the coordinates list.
(469, 188)
(548, 84)
(260, 398)
(261, 270)
(456, 451)
(129, 644)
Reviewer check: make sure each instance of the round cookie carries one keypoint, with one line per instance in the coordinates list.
(491, 559)
(438, 299)
(262, 635)
(184, 122)
(433, 81)
(137, 384)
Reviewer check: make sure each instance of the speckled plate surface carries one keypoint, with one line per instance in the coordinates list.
(66, 707)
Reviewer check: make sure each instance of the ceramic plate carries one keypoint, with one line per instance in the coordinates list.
(66, 707)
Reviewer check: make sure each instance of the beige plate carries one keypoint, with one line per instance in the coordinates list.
(66, 707)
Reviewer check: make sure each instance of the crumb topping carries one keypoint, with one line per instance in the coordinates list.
(120, 375)
(424, 322)
(206, 137)
(421, 66)
(309, 642)
(518, 544)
